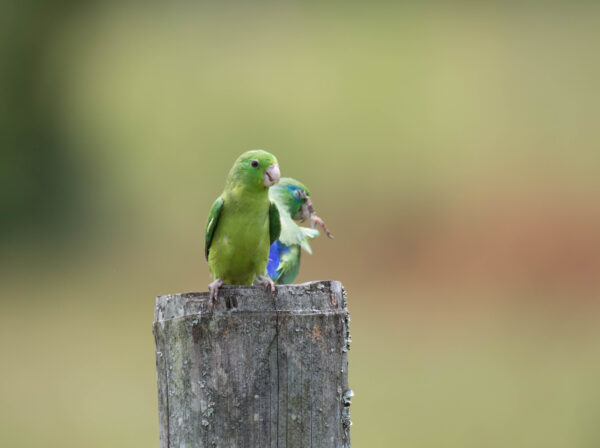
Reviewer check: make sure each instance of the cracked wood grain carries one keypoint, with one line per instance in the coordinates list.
(270, 372)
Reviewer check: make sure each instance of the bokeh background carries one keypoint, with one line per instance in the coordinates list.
(453, 149)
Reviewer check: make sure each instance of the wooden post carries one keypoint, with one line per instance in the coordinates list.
(260, 371)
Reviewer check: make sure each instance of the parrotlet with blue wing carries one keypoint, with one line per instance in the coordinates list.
(292, 199)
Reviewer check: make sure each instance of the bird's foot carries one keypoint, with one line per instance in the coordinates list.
(213, 287)
(266, 281)
(314, 219)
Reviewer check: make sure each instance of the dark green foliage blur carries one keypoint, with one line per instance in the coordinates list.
(38, 183)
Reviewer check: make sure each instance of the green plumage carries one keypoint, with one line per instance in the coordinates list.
(290, 197)
(211, 224)
(274, 223)
(289, 266)
(242, 222)
(285, 196)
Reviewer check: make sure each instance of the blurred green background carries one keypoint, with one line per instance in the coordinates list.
(453, 149)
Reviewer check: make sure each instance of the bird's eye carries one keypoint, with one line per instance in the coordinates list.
(254, 163)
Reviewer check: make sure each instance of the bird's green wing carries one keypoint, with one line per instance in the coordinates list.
(289, 266)
(274, 223)
(307, 234)
(211, 224)
(291, 233)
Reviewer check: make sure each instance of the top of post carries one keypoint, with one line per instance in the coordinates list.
(318, 297)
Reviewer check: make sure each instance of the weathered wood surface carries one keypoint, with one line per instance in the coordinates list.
(260, 371)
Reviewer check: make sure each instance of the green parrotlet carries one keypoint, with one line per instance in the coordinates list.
(243, 223)
(293, 201)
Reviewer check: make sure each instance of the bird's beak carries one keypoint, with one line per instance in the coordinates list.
(272, 175)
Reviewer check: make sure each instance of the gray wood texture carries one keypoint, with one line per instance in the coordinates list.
(260, 371)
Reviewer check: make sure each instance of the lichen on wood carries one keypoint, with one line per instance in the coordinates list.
(260, 370)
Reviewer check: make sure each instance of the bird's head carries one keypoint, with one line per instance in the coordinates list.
(254, 170)
(294, 197)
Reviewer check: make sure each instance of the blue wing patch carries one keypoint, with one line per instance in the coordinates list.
(277, 249)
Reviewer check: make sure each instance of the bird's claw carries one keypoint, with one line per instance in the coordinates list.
(213, 287)
(266, 281)
(314, 219)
